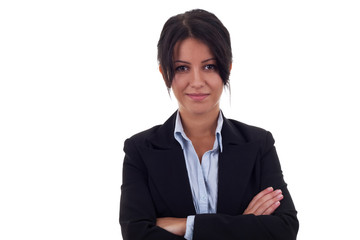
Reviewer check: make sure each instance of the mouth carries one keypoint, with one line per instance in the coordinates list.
(197, 96)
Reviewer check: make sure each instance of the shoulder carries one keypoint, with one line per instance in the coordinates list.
(143, 136)
(159, 136)
(248, 132)
(238, 133)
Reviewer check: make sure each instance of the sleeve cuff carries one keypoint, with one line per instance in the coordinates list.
(189, 227)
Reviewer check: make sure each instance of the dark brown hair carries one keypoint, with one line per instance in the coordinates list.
(199, 24)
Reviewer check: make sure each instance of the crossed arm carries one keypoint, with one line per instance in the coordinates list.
(264, 203)
(263, 218)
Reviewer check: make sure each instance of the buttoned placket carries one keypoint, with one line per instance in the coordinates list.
(202, 177)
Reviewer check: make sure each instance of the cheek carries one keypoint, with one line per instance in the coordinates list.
(176, 88)
(178, 84)
(217, 85)
(219, 92)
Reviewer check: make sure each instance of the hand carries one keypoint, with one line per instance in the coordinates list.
(265, 202)
(176, 226)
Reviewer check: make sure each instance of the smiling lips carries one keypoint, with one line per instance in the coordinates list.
(197, 96)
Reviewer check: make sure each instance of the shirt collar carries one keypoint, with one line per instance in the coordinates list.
(181, 137)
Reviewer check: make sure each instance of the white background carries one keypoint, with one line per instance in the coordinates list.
(79, 77)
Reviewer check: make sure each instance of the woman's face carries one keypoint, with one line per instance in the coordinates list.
(197, 84)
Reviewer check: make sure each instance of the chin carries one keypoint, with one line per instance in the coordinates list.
(200, 110)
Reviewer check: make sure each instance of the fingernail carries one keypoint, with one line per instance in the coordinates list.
(278, 191)
(277, 203)
(270, 188)
(280, 196)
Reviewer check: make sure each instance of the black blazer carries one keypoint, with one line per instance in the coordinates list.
(155, 184)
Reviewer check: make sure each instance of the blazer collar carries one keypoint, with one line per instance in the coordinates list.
(167, 168)
(163, 138)
(235, 167)
(231, 134)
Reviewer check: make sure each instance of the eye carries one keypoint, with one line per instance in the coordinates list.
(210, 67)
(181, 69)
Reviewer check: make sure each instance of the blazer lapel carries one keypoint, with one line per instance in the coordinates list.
(236, 163)
(167, 168)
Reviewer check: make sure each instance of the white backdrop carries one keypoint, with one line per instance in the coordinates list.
(79, 77)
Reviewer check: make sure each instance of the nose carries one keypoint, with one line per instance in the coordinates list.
(197, 79)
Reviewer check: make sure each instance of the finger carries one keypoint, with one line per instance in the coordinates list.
(261, 204)
(272, 208)
(160, 222)
(254, 204)
(267, 201)
(259, 196)
(174, 225)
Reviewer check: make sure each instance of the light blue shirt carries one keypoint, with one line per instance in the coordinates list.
(203, 177)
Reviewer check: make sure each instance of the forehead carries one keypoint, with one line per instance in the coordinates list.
(191, 48)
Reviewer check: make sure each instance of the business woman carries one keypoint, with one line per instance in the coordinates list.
(200, 175)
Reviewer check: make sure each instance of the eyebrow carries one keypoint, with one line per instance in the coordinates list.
(181, 61)
(207, 60)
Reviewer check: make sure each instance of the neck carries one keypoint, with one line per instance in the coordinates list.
(199, 125)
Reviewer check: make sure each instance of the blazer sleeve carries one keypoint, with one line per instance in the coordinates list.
(137, 211)
(281, 225)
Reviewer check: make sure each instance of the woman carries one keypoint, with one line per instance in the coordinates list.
(200, 175)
